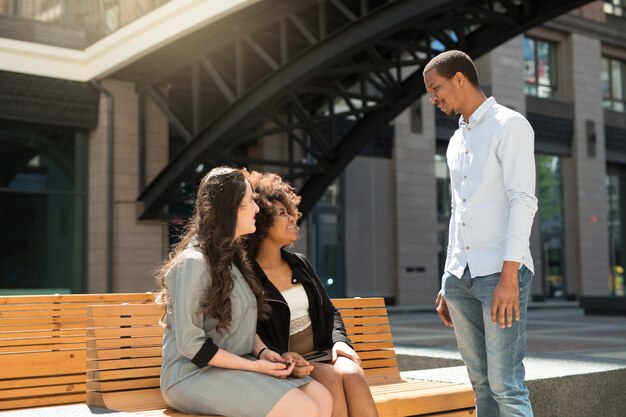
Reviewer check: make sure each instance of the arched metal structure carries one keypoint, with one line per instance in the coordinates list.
(328, 74)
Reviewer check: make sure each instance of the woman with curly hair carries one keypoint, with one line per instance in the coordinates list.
(302, 318)
(213, 361)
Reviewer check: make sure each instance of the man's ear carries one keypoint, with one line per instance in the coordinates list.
(459, 78)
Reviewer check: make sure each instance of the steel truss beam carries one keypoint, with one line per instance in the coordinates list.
(301, 69)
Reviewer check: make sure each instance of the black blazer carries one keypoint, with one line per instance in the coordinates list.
(328, 327)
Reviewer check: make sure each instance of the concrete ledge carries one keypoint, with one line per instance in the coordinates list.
(603, 305)
(559, 386)
(413, 359)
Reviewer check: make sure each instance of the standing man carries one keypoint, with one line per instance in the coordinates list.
(488, 271)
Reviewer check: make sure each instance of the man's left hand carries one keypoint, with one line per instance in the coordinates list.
(506, 296)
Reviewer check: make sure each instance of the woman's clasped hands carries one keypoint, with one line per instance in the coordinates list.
(271, 363)
(301, 368)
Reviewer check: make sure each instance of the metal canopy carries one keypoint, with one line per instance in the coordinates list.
(301, 69)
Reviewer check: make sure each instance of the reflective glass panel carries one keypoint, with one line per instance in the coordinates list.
(42, 209)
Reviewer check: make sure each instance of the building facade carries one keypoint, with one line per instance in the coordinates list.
(72, 172)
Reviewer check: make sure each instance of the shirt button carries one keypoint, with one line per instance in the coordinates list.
(464, 177)
(466, 152)
(464, 200)
(469, 128)
(467, 247)
(462, 224)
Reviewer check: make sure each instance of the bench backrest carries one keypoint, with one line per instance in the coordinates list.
(368, 327)
(124, 350)
(43, 344)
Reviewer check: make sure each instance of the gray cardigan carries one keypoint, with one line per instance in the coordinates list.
(191, 339)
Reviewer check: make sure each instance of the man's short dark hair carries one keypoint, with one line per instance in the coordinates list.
(449, 63)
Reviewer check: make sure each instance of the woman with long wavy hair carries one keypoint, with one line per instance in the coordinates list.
(213, 360)
(303, 319)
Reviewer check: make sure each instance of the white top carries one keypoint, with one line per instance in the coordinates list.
(492, 171)
(298, 307)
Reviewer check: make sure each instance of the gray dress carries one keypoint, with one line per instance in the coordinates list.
(208, 389)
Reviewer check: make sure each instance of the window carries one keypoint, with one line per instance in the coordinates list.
(615, 7)
(42, 209)
(613, 84)
(615, 190)
(444, 201)
(552, 224)
(325, 239)
(540, 68)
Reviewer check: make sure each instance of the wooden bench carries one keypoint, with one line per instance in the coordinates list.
(124, 359)
(42, 347)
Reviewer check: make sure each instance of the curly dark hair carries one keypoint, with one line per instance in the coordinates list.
(212, 226)
(269, 188)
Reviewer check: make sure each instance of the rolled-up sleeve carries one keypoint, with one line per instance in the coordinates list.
(516, 153)
(188, 283)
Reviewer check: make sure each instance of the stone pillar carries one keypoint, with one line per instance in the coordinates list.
(370, 238)
(589, 167)
(416, 210)
(138, 246)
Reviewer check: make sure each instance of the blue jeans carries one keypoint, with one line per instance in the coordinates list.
(493, 355)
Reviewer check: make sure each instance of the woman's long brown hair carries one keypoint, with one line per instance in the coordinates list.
(212, 229)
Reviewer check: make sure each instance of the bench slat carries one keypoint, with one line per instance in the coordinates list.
(41, 381)
(380, 363)
(356, 321)
(123, 363)
(127, 332)
(377, 354)
(106, 322)
(366, 312)
(77, 298)
(377, 337)
(118, 353)
(368, 329)
(125, 310)
(42, 391)
(43, 333)
(51, 340)
(363, 347)
(44, 306)
(107, 375)
(42, 401)
(123, 384)
(5, 316)
(345, 303)
(6, 330)
(25, 348)
(42, 364)
(119, 342)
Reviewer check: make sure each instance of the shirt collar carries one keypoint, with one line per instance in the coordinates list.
(479, 112)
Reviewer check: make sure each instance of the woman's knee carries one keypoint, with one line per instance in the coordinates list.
(349, 370)
(328, 375)
(320, 395)
(296, 402)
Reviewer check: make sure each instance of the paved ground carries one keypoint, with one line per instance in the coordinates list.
(555, 331)
(575, 364)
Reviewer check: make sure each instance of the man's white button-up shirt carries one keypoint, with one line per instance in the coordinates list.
(492, 171)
